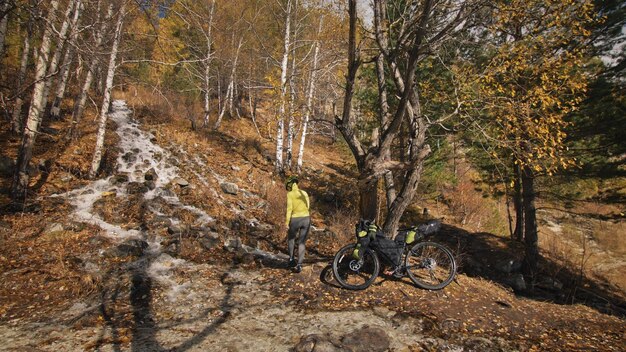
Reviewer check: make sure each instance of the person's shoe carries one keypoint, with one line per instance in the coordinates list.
(297, 268)
(292, 263)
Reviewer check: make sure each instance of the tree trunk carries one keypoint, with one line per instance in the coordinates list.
(531, 254)
(3, 27)
(280, 131)
(16, 120)
(230, 91)
(97, 157)
(56, 57)
(390, 189)
(21, 178)
(291, 126)
(309, 101)
(207, 67)
(518, 232)
(64, 74)
(79, 105)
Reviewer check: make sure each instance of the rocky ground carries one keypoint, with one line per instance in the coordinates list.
(179, 247)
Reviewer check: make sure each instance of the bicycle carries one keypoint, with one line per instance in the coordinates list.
(430, 265)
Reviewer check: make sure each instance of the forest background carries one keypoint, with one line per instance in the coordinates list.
(494, 114)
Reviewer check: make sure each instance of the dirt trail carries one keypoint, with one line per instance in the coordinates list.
(234, 312)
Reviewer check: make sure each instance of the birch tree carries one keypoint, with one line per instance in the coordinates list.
(309, 101)
(230, 90)
(106, 100)
(81, 100)
(21, 179)
(55, 110)
(280, 130)
(16, 117)
(53, 66)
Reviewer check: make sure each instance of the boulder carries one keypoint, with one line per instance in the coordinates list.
(232, 243)
(130, 248)
(136, 188)
(150, 185)
(508, 266)
(367, 338)
(151, 175)
(229, 188)
(54, 227)
(518, 283)
(120, 178)
(181, 182)
(318, 343)
(174, 230)
(548, 283)
(208, 243)
(129, 157)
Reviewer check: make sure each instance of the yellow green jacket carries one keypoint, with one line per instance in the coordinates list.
(297, 203)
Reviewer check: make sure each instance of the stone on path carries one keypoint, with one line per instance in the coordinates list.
(229, 188)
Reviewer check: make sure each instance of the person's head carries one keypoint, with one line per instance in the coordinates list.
(290, 181)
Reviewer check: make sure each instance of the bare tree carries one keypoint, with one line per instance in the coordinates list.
(79, 103)
(106, 100)
(16, 118)
(412, 34)
(55, 110)
(310, 94)
(21, 178)
(280, 130)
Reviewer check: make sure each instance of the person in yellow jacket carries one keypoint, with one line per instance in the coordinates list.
(298, 221)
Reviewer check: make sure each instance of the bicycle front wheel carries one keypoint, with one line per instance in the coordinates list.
(355, 274)
(430, 265)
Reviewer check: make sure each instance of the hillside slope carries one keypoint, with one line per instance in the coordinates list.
(180, 246)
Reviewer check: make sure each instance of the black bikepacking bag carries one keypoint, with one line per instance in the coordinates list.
(389, 250)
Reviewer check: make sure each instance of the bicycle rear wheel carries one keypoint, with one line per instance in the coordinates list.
(354, 274)
(430, 265)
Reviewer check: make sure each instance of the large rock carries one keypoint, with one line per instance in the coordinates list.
(232, 243)
(318, 343)
(151, 175)
(181, 182)
(54, 227)
(508, 266)
(136, 188)
(367, 338)
(229, 188)
(130, 248)
(208, 242)
(548, 283)
(518, 283)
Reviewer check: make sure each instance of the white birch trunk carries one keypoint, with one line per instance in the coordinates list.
(230, 91)
(283, 90)
(21, 178)
(207, 68)
(56, 57)
(64, 74)
(79, 105)
(309, 101)
(106, 100)
(16, 119)
(291, 126)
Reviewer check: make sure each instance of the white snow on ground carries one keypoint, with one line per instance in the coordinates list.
(138, 155)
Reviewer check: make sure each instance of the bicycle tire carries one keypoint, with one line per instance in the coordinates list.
(430, 265)
(348, 272)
